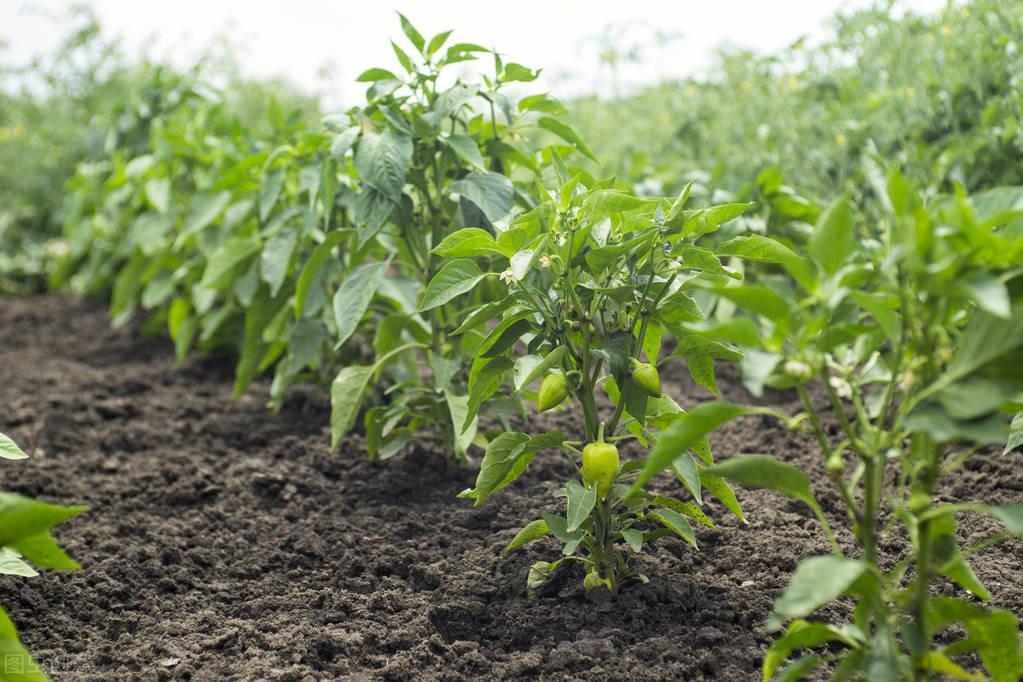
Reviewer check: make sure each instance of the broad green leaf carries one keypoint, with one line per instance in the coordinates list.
(204, 210)
(1011, 515)
(12, 653)
(529, 368)
(674, 522)
(22, 518)
(493, 193)
(942, 664)
(482, 385)
(437, 42)
(458, 407)
(702, 221)
(720, 489)
(566, 133)
(270, 192)
(410, 31)
(465, 147)
(1015, 439)
(816, 582)
(9, 449)
(834, 238)
(500, 464)
(346, 392)
(11, 563)
(686, 432)
(354, 296)
(581, 500)
(312, 268)
(43, 551)
(800, 634)
(382, 161)
(470, 242)
(454, 279)
(633, 538)
(758, 299)
(257, 318)
(226, 261)
(880, 309)
(985, 338)
(760, 471)
(375, 74)
(275, 258)
(994, 633)
(989, 293)
(763, 249)
(687, 472)
(158, 193)
(534, 530)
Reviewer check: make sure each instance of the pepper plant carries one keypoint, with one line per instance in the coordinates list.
(597, 282)
(914, 334)
(26, 544)
(423, 159)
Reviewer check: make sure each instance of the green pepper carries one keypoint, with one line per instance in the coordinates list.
(600, 464)
(553, 391)
(646, 377)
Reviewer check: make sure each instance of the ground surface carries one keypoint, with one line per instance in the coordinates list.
(227, 544)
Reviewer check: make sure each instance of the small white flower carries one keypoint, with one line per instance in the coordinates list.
(841, 386)
(545, 261)
(508, 277)
(562, 239)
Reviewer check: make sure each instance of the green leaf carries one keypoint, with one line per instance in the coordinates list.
(465, 147)
(9, 449)
(354, 296)
(382, 161)
(518, 73)
(346, 392)
(685, 433)
(1015, 439)
(312, 268)
(204, 210)
(276, 257)
(375, 74)
(22, 518)
(566, 133)
(257, 318)
(763, 249)
(437, 42)
(687, 472)
(270, 192)
(534, 530)
(43, 551)
(504, 461)
(940, 663)
(458, 408)
(1010, 515)
(410, 31)
(720, 489)
(484, 384)
(702, 221)
(581, 500)
(816, 582)
(470, 242)
(985, 338)
(13, 653)
(454, 279)
(758, 299)
(989, 293)
(760, 471)
(834, 238)
(676, 523)
(493, 193)
(529, 368)
(227, 260)
(994, 633)
(800, 635)
(158, 193)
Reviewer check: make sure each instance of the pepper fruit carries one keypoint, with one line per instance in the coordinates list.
(600, 464)
(646, 377)
(553, 391)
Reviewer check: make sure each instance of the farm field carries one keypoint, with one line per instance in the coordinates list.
(224, 543)
(719, 378)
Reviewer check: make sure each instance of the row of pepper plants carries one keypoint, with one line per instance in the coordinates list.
(437, 261)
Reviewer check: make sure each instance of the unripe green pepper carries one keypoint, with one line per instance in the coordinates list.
(646, 377)
(593, 580)
(553, 391)
(600, 464)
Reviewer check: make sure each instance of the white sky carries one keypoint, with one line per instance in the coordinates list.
(296, 39)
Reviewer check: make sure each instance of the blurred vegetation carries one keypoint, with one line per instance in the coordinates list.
(938, 96)
(81, 102)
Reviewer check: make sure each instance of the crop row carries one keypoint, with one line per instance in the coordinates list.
(438, 259)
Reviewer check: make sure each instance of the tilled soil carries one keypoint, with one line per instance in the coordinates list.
(226, 543)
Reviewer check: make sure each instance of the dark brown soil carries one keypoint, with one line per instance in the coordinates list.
(225, 543)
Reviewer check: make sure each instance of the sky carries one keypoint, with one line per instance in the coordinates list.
(302, 40)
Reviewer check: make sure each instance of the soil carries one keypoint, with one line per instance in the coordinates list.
(225, 543)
